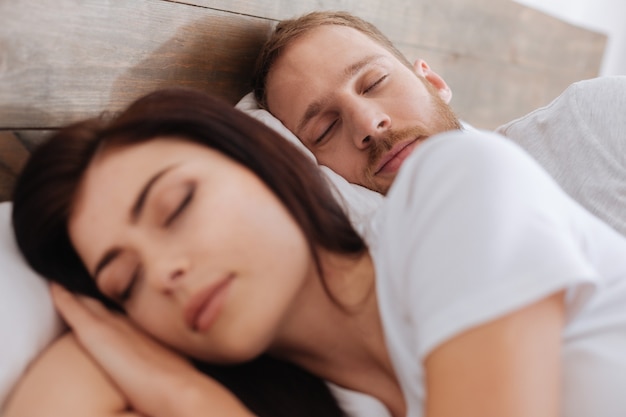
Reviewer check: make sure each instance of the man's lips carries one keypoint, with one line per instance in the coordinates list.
(204, 306)
(392, 160)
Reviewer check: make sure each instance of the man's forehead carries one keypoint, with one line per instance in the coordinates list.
(330, 37)
(333, 47)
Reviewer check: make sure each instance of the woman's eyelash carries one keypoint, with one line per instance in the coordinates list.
(128, 292)
(181, 207)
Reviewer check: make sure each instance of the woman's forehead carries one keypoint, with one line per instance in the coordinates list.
(110, 184)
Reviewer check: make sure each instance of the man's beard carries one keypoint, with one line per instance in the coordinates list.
(444, 120)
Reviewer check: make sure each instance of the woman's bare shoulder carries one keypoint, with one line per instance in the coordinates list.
(65, 381)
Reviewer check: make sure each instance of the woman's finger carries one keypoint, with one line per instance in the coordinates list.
(69, 307)
(140, 366)
(81, 312)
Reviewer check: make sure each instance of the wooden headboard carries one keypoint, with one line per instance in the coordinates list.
(64, 60)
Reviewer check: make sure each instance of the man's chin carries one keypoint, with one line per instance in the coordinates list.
(380, 184)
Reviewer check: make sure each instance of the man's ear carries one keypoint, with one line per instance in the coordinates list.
(421, 68)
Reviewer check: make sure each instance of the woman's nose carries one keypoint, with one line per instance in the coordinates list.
(168, 272)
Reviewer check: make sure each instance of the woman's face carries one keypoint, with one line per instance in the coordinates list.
(199, 252)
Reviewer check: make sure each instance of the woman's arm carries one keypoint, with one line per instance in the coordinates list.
(65, 382)
(508, 367)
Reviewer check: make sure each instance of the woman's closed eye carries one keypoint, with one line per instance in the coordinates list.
(120, 276)
(182, 205)
(127, 293)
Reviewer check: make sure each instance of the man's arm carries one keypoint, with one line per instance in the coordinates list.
(64, 381)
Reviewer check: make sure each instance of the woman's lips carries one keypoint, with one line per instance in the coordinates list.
(392, 160)
(203, 308)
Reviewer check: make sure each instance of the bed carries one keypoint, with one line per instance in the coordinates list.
(64, 60)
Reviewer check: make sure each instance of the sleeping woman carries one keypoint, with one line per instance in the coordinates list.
(182, 230)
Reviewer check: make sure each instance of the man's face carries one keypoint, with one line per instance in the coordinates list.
(355, 105)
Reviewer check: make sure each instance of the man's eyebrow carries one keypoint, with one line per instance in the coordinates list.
(135, 213)
(314, 108)
(354, 69)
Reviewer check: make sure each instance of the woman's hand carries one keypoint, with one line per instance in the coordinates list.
(155, 380)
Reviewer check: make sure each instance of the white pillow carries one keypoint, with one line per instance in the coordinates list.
(28, 321)
(360, 203)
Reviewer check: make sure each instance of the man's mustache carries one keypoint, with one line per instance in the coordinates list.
(383, 144)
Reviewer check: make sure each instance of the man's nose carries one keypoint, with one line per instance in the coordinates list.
(370, 124)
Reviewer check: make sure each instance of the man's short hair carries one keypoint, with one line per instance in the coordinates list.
(291, 29)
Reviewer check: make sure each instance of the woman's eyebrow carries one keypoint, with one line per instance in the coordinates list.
(140, 201)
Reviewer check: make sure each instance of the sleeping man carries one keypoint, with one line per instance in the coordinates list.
(361, 108)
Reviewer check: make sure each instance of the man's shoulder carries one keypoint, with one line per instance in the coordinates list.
(600, 87)
(586, 99)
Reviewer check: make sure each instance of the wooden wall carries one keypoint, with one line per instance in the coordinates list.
(64, 60)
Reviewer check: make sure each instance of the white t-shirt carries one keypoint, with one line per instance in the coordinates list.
(474, 229)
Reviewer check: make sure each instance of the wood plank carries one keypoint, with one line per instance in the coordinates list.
(13, 155)
(493, 93)
(30, 139)
(64, 60)
(494, 30)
